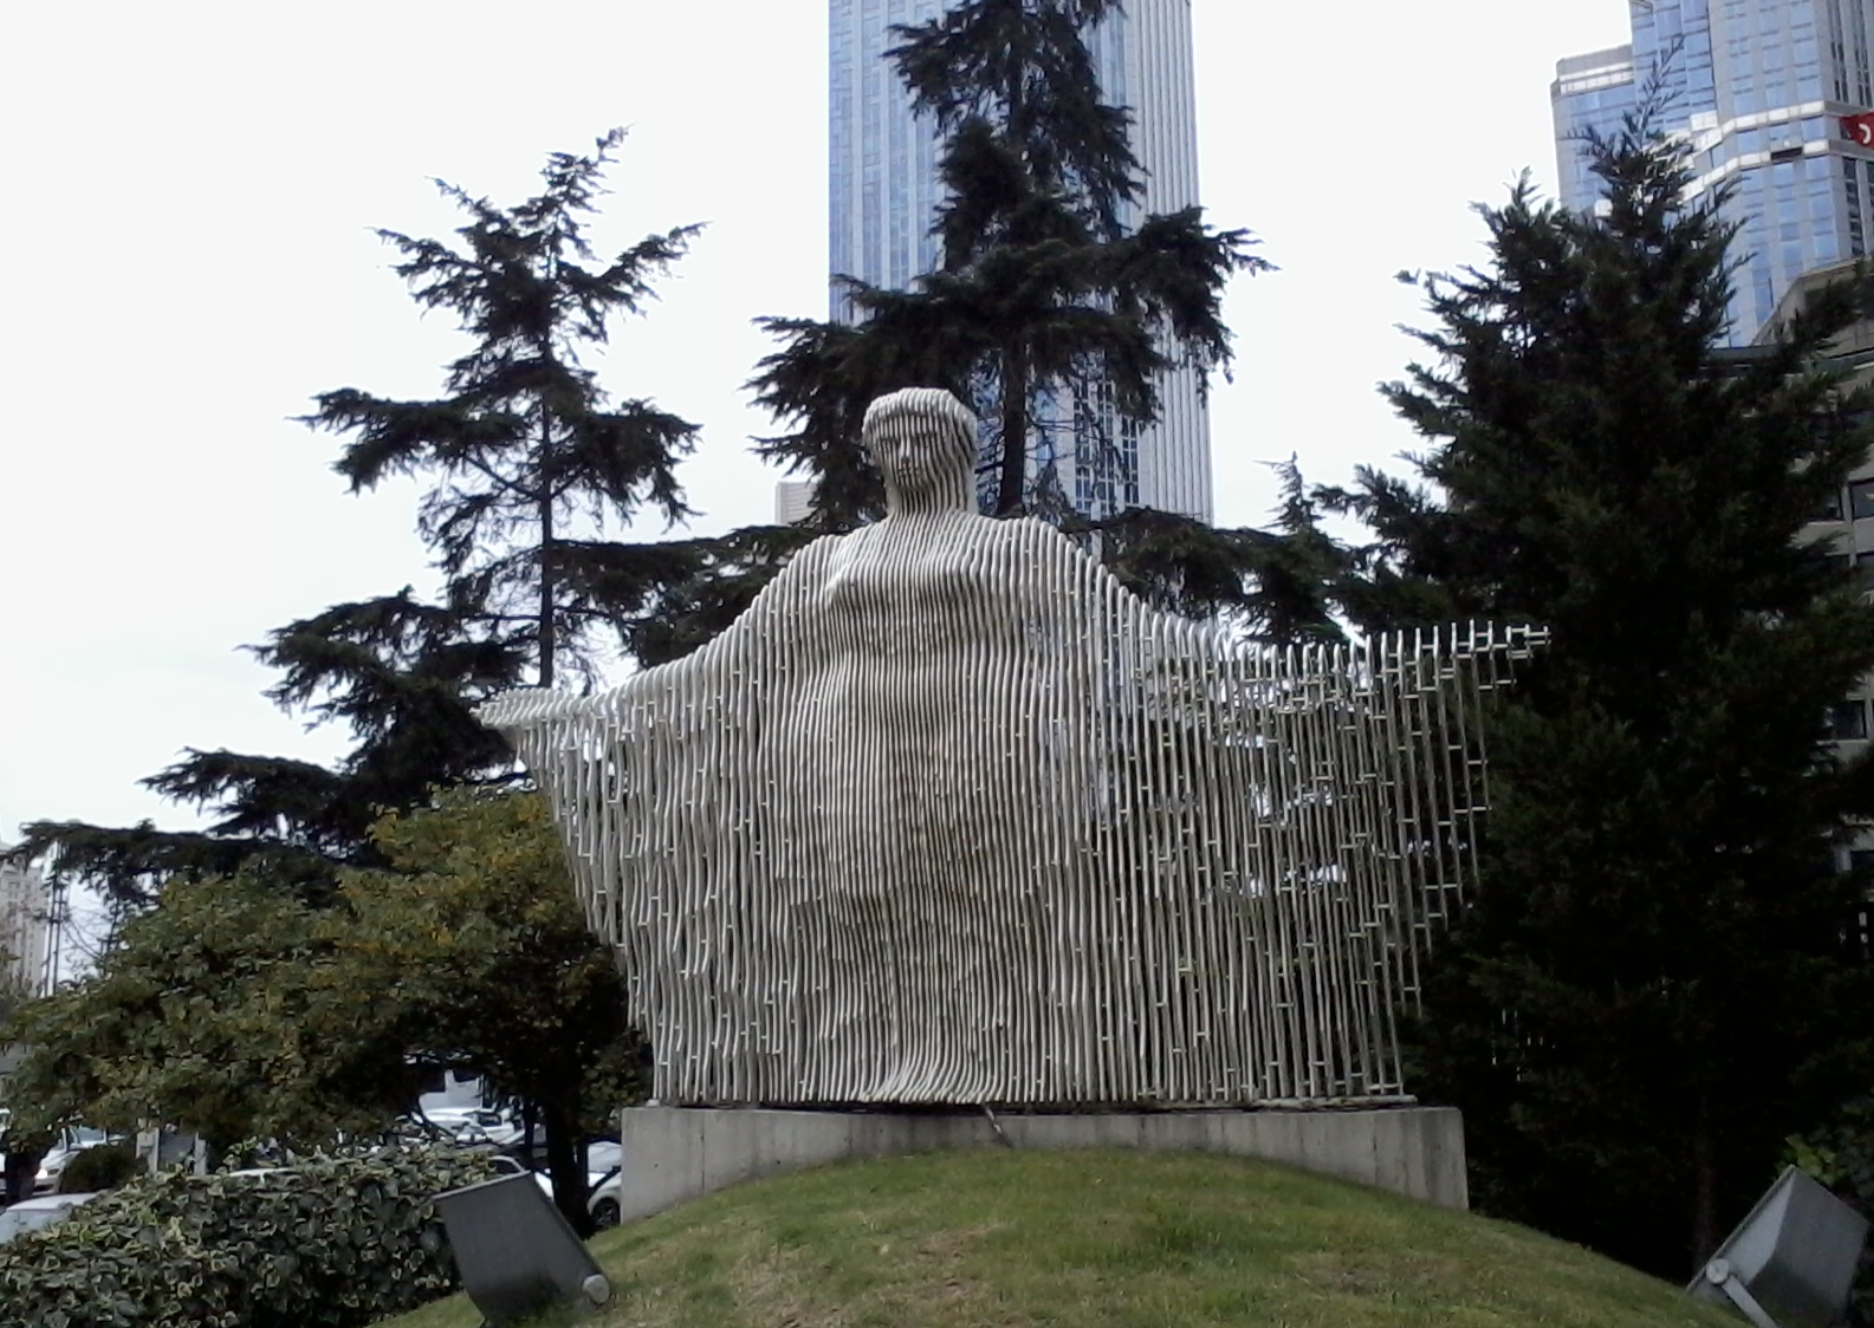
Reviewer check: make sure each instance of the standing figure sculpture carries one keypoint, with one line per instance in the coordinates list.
(949, 816)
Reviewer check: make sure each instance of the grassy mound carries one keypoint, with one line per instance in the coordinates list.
(1094, 1240)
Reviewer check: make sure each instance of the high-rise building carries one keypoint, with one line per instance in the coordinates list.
(793, 502)
(885, 190)
(1760, 90)
(1844, 525)
(25, 929)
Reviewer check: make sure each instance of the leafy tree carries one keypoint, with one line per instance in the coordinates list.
(238, 1012)
(1047, 298)
(214, 1012)
(477, 953)
(401, 674)
(1649, 989)
(1042, 290)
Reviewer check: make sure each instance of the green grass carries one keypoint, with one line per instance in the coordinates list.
(996, 1239)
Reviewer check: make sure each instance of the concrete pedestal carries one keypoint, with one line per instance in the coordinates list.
(674, 1154)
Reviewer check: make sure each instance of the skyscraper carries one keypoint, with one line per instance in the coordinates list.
(25, 930)
(1760, 89)
(884, 191)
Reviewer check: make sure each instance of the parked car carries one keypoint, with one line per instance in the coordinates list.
(605, 1201)
(508, 1166)
(603, 1159)
(72, 1141)
(474, 1126)
(37, 1214)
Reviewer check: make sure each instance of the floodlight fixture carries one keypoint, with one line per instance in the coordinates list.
(1792, 1259)
(516, 1252)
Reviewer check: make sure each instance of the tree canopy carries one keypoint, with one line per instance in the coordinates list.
(532, 472)
(1047, 285)
(1650, 989)
(216, 1012)
(474, 933)
(524, 446)
(238, 1012)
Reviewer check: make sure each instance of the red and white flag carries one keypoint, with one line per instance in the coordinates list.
(1859, 129)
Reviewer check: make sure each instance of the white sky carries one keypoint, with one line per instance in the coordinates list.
(189, 192)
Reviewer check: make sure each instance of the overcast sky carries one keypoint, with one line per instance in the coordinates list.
(190, 192)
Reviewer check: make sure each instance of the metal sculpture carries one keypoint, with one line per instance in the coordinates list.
(949, 816)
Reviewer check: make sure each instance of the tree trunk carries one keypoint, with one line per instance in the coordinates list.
(1705, 1231)
(563, 1165)
(22, 1167)
(1014, 430)
(546, 551)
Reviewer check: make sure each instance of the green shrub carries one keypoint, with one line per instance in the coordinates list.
(100, 1167)
(332, 1242)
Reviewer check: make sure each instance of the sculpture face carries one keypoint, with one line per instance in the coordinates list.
(948, 816)
(923, 441)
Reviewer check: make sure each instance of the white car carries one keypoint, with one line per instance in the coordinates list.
(475, 1126)
(72, 1141)
(604, 1203)
(603, 1158)
(37, 1214)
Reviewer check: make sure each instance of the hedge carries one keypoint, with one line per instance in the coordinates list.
(100, 1167)
(331, 1242)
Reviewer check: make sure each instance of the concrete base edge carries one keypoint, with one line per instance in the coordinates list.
(675, 1154)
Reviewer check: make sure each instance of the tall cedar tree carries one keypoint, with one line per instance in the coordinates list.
(532, 465)
(1044, 292)
(528, 455)
(1649, 990)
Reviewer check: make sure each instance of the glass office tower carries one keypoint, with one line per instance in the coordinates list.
(884, 191)
(1759, 89)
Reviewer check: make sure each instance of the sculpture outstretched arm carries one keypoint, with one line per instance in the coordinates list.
(522, 709)
(527, 707)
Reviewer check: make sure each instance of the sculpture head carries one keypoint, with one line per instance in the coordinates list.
(923, 441)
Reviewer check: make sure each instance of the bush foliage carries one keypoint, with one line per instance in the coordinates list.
(102, 1167)
(332, 1242)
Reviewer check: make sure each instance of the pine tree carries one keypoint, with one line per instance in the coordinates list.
(532, 467)
(524, 446)
(1649, 989)
(1043, 299)
(1041, 292)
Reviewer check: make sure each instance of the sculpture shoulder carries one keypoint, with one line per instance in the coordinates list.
(777, 606)
(1032, 533)
(1024, 534)
(1071, 569)
(1045, 547)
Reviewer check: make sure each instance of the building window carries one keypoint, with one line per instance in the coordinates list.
(1861, 499)
(1847, 720)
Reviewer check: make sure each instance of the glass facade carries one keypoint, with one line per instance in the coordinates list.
(1757, 88)
(883, 193)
